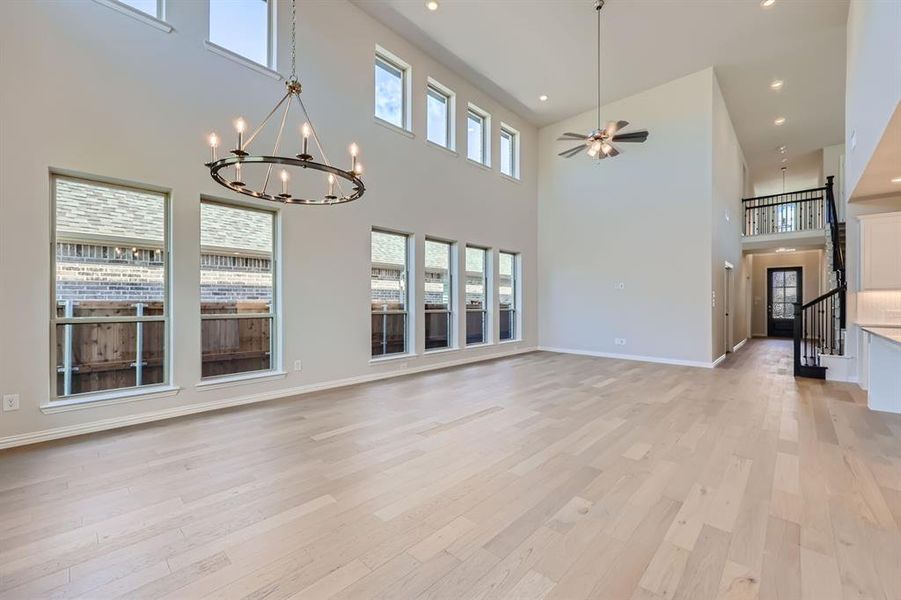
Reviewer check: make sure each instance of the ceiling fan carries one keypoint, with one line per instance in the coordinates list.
(599, 143)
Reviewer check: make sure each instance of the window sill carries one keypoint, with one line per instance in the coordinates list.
(513, 341)
(393, 127)
(243, 61)
(479, 345)
(109, 398)
(136, 14)
(511, 178)
(227, 381)
(476, 163)
(440, 351)
(438, 146)
(391, 358)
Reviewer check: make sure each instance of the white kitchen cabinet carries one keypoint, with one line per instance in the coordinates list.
(880, 251)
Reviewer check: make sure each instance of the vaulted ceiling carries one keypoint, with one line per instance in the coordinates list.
(519, 50)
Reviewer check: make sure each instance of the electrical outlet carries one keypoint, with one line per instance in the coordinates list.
(619, 341)
(10, 402)
(619, 285)
(298, 366)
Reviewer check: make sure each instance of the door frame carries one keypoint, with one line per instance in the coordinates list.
(728, 292)
(770, 330)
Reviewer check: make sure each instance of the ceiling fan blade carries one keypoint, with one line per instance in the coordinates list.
(572, 151)
(635, 136)
(578, 135)
(613, 127)
(613, 151)
(568, 137)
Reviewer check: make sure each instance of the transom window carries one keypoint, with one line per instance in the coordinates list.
(110, 310)
(391, 90)
(237, 283)
(476, 295)
(439, 111)
(389, 292)
(509, 151)
(439, 316)
(507, 295)
(477, 139)
(243, 26)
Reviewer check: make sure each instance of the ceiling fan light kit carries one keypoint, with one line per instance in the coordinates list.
(599, 143)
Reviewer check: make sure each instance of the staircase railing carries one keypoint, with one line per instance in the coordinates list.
(803, 210)
(818, 324)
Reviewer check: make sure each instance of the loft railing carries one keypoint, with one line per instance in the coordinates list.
(803, 210)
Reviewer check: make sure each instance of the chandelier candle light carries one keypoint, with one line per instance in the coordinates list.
(304, 161)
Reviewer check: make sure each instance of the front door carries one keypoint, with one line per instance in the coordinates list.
(783, 291)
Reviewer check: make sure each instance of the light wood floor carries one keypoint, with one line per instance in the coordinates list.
(543, 475)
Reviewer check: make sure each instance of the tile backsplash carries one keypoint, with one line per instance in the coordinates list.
(879, 308)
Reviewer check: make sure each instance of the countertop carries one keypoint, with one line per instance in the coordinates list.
(892, 334)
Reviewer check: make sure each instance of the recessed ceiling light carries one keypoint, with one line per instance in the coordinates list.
(785, 160)
(896, 180)
(779, 121)
(781, 149)
(785, 249)
(776, 84)
(543, 97)
(767, 3)
(433, 5)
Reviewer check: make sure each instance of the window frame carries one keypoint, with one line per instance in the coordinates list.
(486, 310)
(271, 42)
(513, 135)
(515, 292)
(452, 302)
(406, 75)
(450, 99)
(274, 314)
(485, 117)
(407, 350)
(166, 248)
(157, 21)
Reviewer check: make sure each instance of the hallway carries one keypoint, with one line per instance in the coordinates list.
(542, 475)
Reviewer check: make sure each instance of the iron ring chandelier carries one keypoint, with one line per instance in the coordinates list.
(227, 171)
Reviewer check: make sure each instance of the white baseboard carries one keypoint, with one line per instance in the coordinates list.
(718, 361)
(635, 357)
(738, 346)
(46, 435)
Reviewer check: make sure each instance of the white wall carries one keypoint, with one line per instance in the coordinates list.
(728, 166)
(873, 88)
(802, 173)
(100, 93)
(642, 219)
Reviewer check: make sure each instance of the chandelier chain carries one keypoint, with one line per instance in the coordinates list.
(293, 40)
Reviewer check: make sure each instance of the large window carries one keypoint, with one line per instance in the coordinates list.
(439, 315)
(507, 298)
(476, 295)
(439, 113)
(391, 90)
(109, 317)
(243, 26)
(477, 137)
(389, 293)
(237, 282)
(509, 151)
